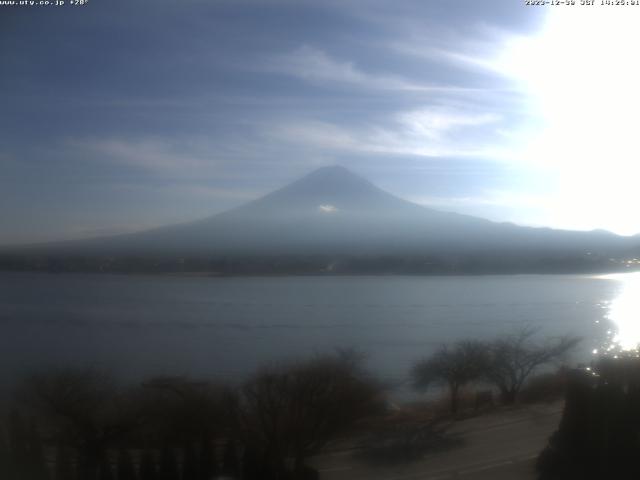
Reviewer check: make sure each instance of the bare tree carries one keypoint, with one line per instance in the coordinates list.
(289, 413)
(454, 366)
(513, 358)
(184, 411)
(125, 468)
(83, 409)
(21, 450)
(5, 457)
(189, 414)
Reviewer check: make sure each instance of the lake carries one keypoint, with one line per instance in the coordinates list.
(226, 327)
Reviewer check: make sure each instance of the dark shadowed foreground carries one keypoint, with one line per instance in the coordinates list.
(327, 417)
(599, 435)
(81, 425)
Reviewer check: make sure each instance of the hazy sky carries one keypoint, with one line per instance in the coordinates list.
(125, 114)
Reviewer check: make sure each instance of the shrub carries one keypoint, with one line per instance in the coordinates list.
(545, 387)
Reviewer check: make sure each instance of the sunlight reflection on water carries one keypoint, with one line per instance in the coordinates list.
(624, 313)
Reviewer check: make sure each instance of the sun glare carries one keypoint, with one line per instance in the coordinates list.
(623, 312)
(583, 83)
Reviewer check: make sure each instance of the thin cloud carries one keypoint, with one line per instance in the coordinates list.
(435, 124)
(316, 66)
(318, 134)
(489, 198)
(436, 132)
(476, 52)
(150, 155)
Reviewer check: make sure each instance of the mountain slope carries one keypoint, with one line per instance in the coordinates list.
(332, 211)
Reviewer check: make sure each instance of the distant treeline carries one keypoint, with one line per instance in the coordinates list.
(484, 263)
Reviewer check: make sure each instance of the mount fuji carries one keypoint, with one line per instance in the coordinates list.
(333, 213)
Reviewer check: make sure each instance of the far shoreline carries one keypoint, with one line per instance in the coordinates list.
(221, 275)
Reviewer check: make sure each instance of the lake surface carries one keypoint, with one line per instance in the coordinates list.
(226, 327)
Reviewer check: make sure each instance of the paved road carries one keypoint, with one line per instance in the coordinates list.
(500, 446)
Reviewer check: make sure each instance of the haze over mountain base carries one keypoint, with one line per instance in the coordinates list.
(335, 222)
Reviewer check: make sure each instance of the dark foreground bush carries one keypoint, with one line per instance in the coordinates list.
(599, 434)
(86, 426)
(546, 387)
(287, 414)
